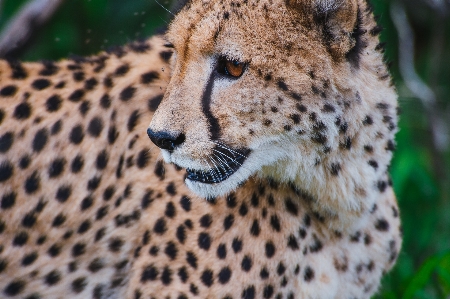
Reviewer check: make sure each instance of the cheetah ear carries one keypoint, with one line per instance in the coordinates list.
(336, 19)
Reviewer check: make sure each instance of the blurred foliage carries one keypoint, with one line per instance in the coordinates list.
(420, 171)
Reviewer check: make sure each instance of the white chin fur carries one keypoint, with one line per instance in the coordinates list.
(252, 165)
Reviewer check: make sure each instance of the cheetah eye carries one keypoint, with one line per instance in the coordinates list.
(231, 68)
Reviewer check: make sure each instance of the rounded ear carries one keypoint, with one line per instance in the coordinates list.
(337, 19)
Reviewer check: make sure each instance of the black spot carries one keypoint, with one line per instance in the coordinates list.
(133, 120)
(308, 274)
(115, 244)
(204, 241)
(268, 291)
(275, 223)
(8, 91)
(171, 250)
(40, 140)
(295, 118)
(328, 108)
(373, 163)
(335, 169)
(316, 246)
(382, 225)
(56, 167)
(79, 284)
(149, 273)
(90, 84)
(112, 135)
(20, 239)
(143, 158)
(40, 84)
(255, 229)
(228, 222)
(6, 171)
(166, 276)
(382, 185)
(127, 93)
(84, 107)
(77, 164)
(149, 77)
(119, 167)
(207, 277)
(291, 207)
(29, 219)
(264, 273)
(191, 259)
(282, 85)
(390, 146)
(224, 275)
(84, 227)
(182, 273)
(101, 212)
(181, 234)
(367, 120)
(77, 134)
(86, 203)
(18, 71)
(59, 220)
(78, 76)
(24, 162)
(53, 103)
(347, 144)
(53, 277)
(105, 101)
(54, 250)
(8, 200)
(249, 293)
(93, 183)
(29, 259)
(354, 55)
(22, 111)
(243, 210)
(102, 160)
(170, 189)
(78, 249)
(292, 243)
(122, 70)
(222, 251)
(32, 183)
(165, 55)
(246, 263)
(154, 102)
(95, 126)
(14, 288)
(319, 138)
(63, 193)
(160, 226)
(205, 221)
(2, 115)
(236, 245)
(56, 128)
(77, 95)
(185, 203)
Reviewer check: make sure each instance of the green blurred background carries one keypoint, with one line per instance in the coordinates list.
(421, 167)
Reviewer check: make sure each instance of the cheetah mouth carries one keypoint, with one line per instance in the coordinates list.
(224, 162)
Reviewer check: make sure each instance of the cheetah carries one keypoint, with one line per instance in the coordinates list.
(272, 126)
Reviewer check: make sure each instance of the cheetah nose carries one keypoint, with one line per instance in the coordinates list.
(165, 140)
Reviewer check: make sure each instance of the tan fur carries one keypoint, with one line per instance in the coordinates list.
(288, 224)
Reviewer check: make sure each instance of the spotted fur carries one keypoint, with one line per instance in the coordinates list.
(292, 157)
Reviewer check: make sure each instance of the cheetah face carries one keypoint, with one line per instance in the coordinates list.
(270, 89)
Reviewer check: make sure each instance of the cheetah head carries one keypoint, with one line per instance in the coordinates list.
(295, 91)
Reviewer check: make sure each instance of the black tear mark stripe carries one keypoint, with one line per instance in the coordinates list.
(213, 122)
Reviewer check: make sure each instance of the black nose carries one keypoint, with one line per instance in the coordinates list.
(165, 140)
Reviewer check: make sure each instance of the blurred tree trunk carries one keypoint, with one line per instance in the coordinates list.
(24, 24)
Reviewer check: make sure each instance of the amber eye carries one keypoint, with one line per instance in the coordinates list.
(232, 68)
